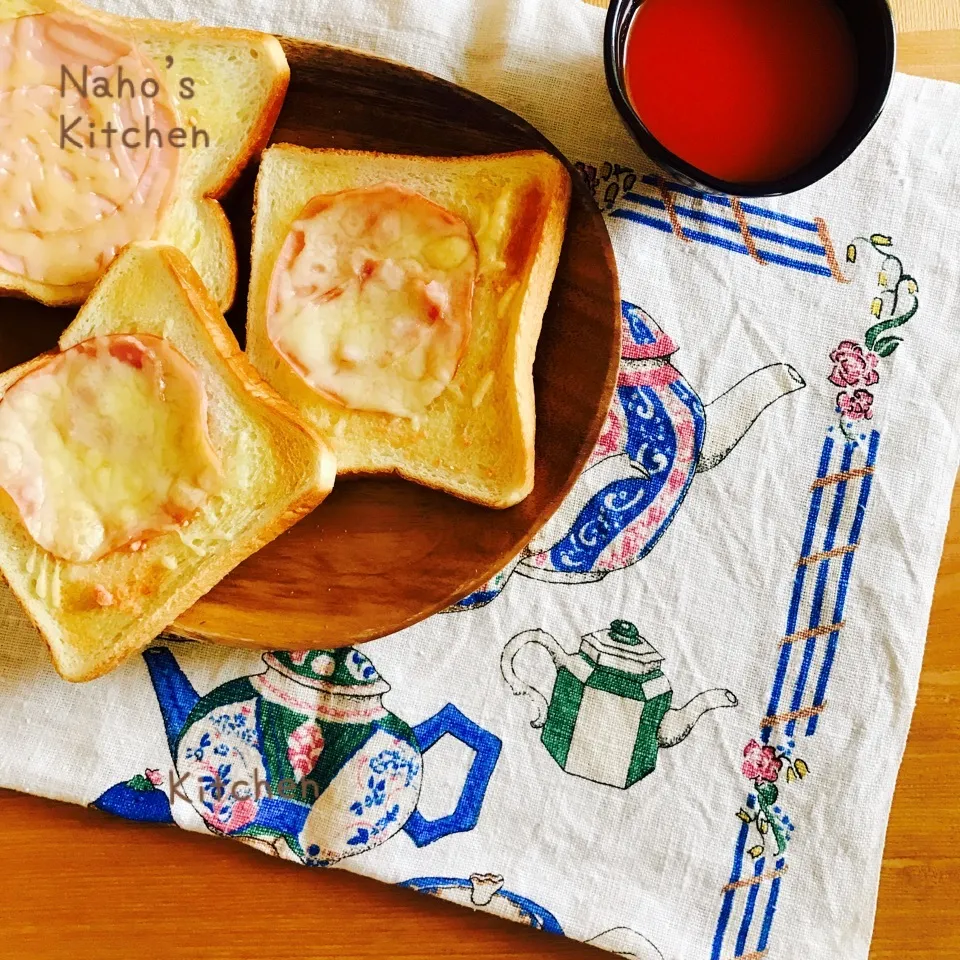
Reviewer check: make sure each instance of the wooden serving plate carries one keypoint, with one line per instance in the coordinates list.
(380, 553)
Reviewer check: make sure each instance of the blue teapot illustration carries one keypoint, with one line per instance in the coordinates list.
(304, 762)
(657, 437)
(484, 891)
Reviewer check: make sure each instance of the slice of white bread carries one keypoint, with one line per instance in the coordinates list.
(476, 440)
(275, 470)
(240, 79)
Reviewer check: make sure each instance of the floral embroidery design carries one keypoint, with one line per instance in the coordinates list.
(304, 747)
(218, 749)
(856, 406)
(763, 765)
(222, 811)
(391, 771)
(852, 366)
(855, 365)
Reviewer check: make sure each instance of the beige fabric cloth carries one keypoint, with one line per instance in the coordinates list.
(791, 584)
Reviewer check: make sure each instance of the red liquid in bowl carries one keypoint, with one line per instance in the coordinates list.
(744, 90)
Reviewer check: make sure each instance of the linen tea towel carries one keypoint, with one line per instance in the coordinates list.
(717, 640)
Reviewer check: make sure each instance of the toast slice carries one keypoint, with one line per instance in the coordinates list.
(237, 82)
(275, 470)
(476, 439)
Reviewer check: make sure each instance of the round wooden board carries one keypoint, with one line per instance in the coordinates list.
(380, 553)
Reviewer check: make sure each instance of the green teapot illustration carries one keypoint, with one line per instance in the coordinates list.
(611, 708)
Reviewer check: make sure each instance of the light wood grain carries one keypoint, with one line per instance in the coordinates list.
(74, 883)
(931, 53)
(915, 15)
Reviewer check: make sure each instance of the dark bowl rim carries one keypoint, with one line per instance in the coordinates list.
(835, 154)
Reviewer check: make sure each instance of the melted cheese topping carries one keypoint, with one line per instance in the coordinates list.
(371, 298)
(65, 211)
(106, 445)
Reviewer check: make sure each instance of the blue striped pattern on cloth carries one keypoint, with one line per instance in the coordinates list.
(838, 503)
(774, 238)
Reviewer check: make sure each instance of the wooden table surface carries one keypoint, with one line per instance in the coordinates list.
(76, 883)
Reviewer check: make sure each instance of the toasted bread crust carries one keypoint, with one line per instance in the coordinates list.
(231, 267)
(541, 281)
(257, 137)
(453, 161)
(226, 345)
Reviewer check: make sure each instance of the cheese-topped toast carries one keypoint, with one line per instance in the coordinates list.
(118, 130)
(141, 463)
(397, 301)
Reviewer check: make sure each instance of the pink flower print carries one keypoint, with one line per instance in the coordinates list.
(229, 816)
(852, 367)
(225, 809)
(304, 747)
(299, 656)
(858, 406)
(154, 776)
(760, 763)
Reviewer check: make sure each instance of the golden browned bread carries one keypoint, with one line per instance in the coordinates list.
(235, 84)
(274, 468)
(476, 439)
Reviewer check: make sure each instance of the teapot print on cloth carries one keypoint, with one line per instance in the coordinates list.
(658, 436)
(484, 891)
(344, 773)
(611, 708)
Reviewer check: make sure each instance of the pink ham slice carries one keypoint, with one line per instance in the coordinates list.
(371, 298)
(106, 444)
(66, 211)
